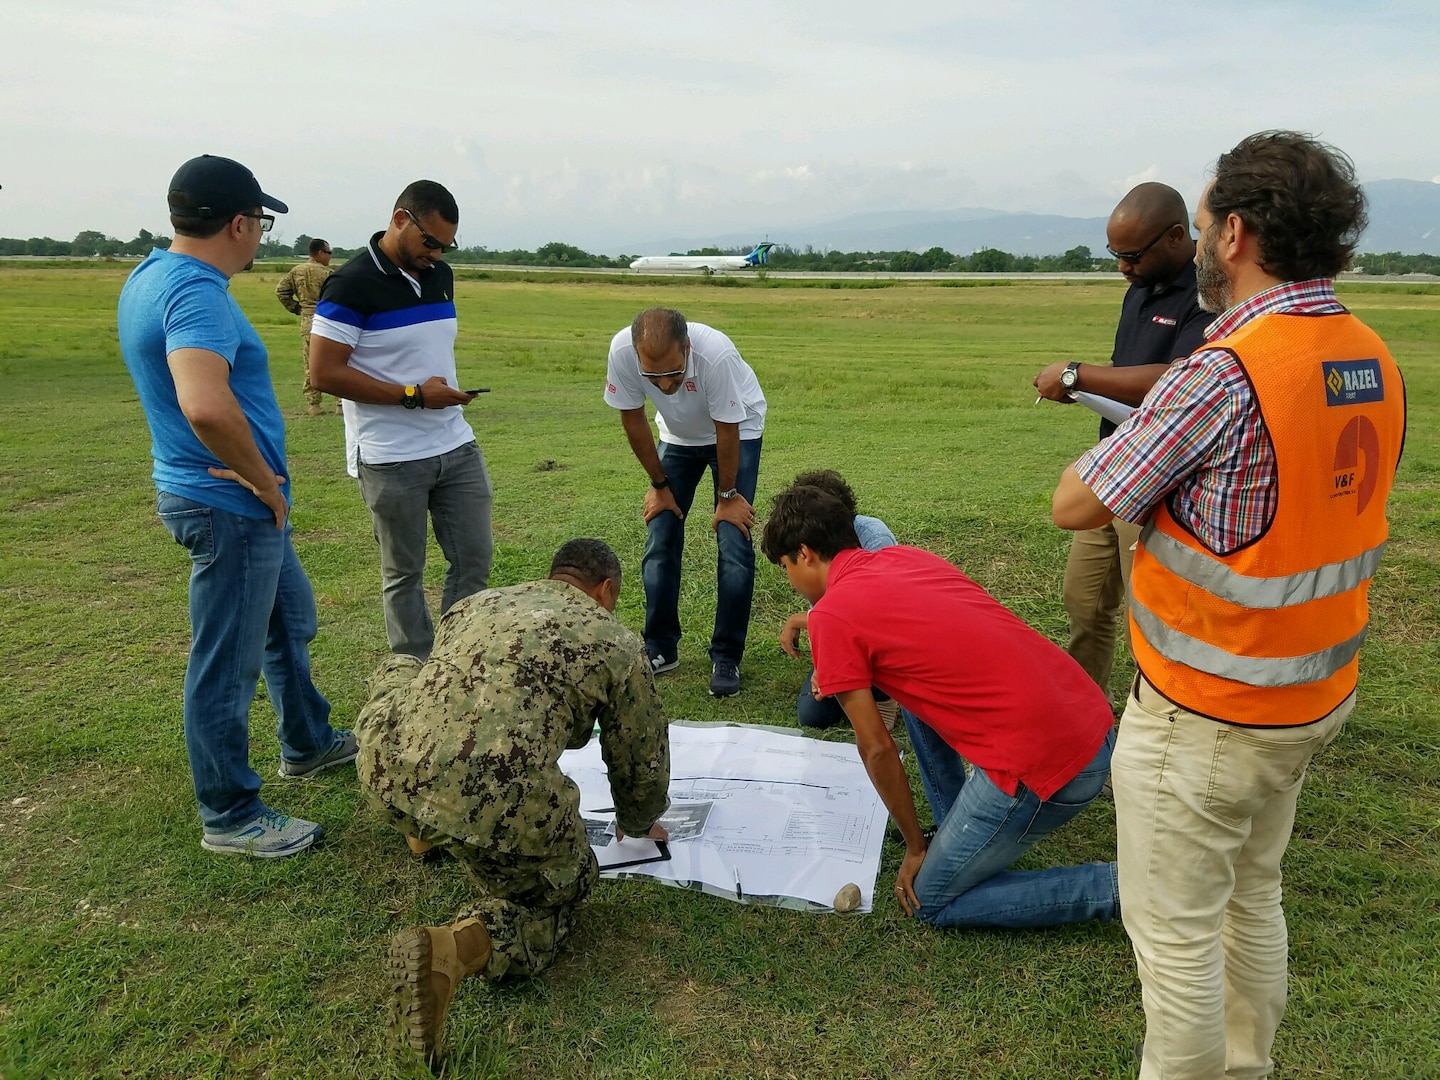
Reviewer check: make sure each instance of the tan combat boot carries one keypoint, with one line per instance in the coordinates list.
(425, 964)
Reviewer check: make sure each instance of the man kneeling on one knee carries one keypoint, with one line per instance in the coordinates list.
(462, 752)
(975, 683)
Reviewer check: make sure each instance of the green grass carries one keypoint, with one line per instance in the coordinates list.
(125, 951)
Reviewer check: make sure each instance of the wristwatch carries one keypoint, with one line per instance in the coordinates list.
(413, 398)
(729, 493)
(661, 484)
(1070, 377)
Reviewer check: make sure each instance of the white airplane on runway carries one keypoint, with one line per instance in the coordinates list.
(708, 263)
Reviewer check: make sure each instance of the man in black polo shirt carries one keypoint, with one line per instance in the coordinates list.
(384, 340)
(1160, 321)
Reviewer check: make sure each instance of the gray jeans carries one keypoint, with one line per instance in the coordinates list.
(455, 489)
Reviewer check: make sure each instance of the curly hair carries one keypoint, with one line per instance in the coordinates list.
(831, 481)
(1300, 198)
(809, 516)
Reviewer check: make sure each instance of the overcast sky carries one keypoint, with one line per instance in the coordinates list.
(611, 124)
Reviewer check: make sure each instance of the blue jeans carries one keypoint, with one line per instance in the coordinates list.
(965, 879)
(454, 489)
(665, 544)
(251, 611)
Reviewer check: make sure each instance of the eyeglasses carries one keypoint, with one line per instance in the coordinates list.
(428, 240)
(267, 221)
(1133, 257)
(653, 375)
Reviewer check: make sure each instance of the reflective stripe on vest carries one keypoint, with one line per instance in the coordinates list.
(1251, 670)
(1219, 580)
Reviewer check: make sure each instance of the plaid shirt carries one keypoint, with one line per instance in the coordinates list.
(1199, 434)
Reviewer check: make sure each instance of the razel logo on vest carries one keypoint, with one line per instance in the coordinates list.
(1163, 320)
(690, 385)
(1352, 382)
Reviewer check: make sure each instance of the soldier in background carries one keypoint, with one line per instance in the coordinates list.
(461, 752)
(298, 291)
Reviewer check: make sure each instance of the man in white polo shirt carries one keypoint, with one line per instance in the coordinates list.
(711, 413)
(384, 340)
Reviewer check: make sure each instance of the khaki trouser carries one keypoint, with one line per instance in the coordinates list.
(312, 396)
(1097, 582)
(527, 903)
(1204, 812)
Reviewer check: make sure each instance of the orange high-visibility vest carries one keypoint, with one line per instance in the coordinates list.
(1269, 634)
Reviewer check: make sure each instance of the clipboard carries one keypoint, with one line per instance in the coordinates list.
(613, 854)
(661, 854)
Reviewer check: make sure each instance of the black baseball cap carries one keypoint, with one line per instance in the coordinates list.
(217, 187)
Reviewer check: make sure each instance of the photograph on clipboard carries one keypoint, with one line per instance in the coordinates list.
(615, 854)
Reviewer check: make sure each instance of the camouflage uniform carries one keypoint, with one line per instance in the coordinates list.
(462, 751)
(299, 291)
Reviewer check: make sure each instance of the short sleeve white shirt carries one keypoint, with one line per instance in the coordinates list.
(718, 386)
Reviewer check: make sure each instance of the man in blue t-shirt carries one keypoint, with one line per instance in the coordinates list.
(811, 708)
(218, 443)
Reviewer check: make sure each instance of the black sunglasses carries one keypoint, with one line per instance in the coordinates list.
(267, 221)
(428, 240)
(1133, 257)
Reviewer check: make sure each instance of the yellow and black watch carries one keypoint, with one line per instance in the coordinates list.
(413, 398)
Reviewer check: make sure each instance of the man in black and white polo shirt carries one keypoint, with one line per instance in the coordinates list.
(384, 341)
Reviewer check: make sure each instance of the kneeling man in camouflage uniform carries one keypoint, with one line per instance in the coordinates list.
(462, 752)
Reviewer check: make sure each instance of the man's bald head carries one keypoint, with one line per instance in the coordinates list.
(1151, 205)
(662, 343)
(657, 329)
(1149, 234)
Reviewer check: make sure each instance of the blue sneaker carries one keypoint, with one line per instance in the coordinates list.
(725, 680)
(344, 748)
(272, 835)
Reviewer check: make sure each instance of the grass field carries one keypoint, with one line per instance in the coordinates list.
(126, 951)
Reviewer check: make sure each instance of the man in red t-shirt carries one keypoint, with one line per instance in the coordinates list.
(975, 683)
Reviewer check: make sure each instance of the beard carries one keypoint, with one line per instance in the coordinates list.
(1210, 280)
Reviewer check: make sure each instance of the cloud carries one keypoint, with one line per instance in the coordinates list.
(1144, 176)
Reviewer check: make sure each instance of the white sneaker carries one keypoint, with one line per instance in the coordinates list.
(889, 712)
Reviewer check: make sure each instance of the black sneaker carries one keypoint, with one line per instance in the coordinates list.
(660, 664)
(725, 680)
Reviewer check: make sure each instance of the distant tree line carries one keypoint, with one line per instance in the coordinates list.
(85, 244)
(90, 243)
(1392, 262)
(987, 261)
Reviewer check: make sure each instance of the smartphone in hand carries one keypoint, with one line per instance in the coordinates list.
(481, 390)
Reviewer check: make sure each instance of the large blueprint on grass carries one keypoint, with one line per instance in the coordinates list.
(794, 818)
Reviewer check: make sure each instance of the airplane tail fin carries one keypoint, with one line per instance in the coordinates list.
(760, 255)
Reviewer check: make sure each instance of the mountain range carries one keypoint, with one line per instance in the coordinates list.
(1404, 217)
